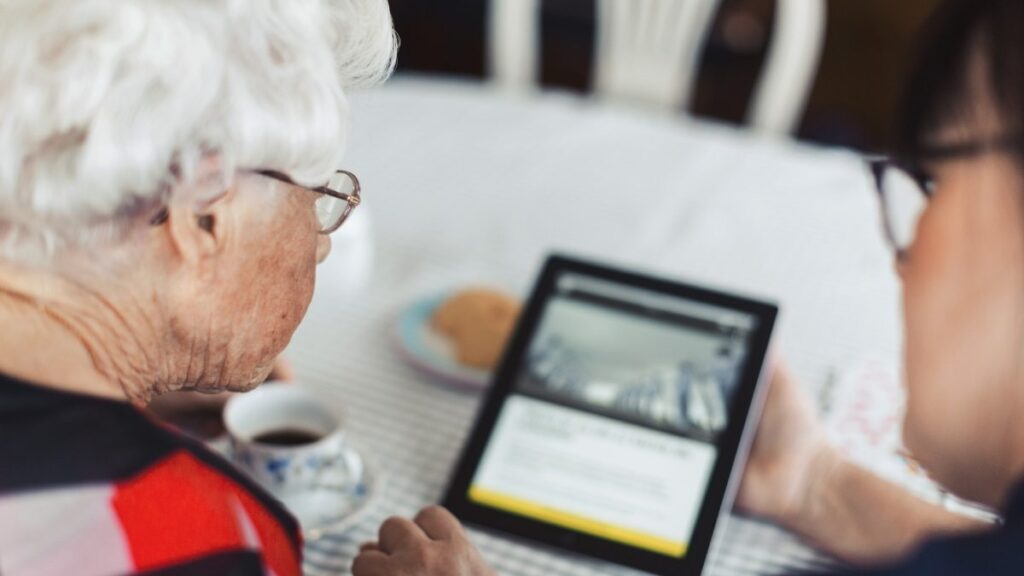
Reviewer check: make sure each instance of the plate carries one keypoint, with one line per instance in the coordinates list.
(432, 353)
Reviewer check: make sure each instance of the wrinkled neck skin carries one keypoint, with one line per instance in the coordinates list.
(95, 334)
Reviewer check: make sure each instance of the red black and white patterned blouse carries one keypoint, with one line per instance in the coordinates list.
(90, 486)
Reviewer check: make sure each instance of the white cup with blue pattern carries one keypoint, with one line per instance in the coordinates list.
(286, 439)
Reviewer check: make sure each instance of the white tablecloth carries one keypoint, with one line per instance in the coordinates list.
(463, 183)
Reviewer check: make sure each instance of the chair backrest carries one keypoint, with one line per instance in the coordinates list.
(648, 51)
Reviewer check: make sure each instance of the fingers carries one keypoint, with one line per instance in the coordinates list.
(369, 546)
(282, 370)
(398, 533)
(438, 523)
(432, 545)
(173, 403)
(371, 563)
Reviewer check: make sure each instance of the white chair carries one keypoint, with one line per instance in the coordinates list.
(648, 51)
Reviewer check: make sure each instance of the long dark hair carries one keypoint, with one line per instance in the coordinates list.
(940, 93)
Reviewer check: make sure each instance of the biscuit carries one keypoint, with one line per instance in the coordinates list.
(478, 323)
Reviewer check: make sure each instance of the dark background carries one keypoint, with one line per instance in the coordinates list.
(868, 48)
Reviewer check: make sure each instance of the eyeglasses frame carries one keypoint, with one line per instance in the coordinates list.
(879, 165)
(353, 200)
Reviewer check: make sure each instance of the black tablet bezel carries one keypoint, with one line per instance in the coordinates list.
(733, 440)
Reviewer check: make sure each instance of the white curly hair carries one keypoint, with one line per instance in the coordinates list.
(104, 102)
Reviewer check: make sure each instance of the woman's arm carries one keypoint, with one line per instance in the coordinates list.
(865, 519)
(795, 477)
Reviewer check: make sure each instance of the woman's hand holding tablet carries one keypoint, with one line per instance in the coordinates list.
(790, 451)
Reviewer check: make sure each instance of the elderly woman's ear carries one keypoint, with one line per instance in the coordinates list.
(199, 215)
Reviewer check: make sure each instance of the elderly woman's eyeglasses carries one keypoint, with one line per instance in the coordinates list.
(337, 199)
(904, 189)
(335, 203)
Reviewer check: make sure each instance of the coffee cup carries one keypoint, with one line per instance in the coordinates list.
(289, 442)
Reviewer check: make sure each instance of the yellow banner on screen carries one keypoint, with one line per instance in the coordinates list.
(576, 522)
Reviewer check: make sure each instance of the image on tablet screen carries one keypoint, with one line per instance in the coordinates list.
(617, 409)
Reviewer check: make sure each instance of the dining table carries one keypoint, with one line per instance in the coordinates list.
(465, 184)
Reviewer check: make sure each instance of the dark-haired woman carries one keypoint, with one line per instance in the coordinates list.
(960, 257)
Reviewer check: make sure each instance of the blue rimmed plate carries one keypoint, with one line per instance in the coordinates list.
(430, 352)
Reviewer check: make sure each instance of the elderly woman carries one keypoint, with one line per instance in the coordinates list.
(954, 212)
(168, 178)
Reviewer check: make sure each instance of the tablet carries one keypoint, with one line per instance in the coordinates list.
(618, 421)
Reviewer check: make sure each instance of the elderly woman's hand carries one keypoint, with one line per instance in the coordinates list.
(790, 450)
(200, 413)
(432, 544)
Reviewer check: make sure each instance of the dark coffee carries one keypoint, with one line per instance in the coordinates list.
(287, 437)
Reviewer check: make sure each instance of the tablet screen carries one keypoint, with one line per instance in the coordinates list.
(613, 423)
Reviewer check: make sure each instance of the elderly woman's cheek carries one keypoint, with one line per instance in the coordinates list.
(323, 248)
(282, 293)
(295, 293)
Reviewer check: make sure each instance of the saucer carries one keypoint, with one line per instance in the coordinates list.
(323, 510)
(430, 352)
